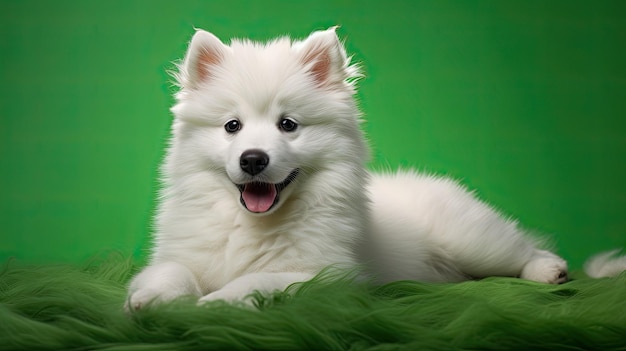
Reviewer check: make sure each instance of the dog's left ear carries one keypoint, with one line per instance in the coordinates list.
(325, 58)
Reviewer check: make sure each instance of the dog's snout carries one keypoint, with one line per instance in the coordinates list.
(253, 161)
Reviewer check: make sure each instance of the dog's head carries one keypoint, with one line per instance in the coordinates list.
(267, 116)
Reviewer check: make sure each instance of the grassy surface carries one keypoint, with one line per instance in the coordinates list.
(70, 307)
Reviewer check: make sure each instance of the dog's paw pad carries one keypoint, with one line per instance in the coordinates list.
(130, 307)
(138, 300)
(562, 278)
(551, 270)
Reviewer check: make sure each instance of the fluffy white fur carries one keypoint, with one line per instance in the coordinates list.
(606, 264)
(334, 212)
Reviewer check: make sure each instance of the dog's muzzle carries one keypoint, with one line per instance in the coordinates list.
(259, 196)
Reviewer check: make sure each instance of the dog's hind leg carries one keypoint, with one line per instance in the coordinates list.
(545, 267)
(472, 239)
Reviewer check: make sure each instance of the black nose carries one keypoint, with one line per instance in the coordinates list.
(253, 161)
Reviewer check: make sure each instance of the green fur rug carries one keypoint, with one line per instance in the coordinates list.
(80, 308)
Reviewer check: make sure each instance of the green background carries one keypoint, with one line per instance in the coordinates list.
(523, 101)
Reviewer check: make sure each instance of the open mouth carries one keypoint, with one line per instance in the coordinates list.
(260, 197)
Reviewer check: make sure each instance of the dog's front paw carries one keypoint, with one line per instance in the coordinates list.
(551, 270)
(228, 295)
(142, 298)
(160, 283)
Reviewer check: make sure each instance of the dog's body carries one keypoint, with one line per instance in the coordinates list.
(265, 185)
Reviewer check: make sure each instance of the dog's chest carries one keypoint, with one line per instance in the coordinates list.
(248, 248)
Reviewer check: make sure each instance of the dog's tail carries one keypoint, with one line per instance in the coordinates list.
(605, 264)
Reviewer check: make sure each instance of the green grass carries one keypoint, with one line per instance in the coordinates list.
(67, 307)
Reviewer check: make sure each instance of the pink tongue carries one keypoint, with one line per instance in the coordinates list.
(259, 197)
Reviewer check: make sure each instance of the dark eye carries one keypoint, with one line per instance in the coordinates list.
(287, 124)
(232, 126)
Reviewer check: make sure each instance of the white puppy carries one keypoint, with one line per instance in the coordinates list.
(264, 185)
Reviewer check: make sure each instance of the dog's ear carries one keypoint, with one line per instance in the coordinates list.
(203, 56)
(325, 58)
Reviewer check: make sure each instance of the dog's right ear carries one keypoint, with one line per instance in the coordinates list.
(203, 56)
